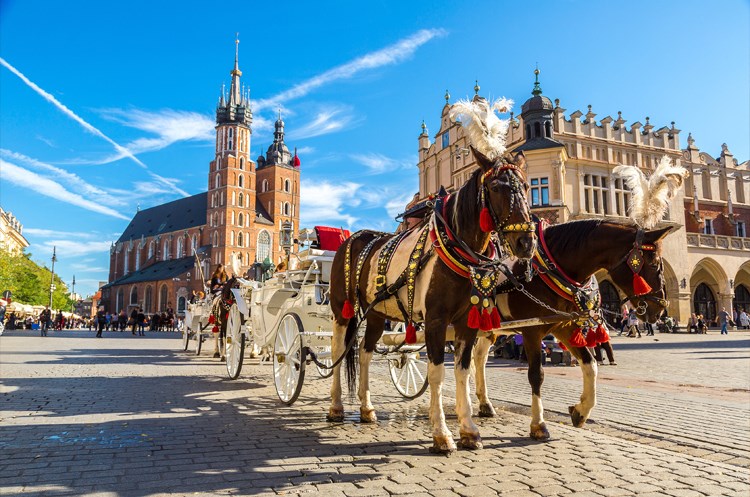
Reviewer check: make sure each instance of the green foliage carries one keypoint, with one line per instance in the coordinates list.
(29, 282)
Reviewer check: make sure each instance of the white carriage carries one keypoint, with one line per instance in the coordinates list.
(288, 319)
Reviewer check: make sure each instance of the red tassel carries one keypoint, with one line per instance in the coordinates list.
(601, 334)
(296, 161)
(485, 221)
(485, 322)
(473, 321)
(411, 334)
(211, 319)
(215, 329)
(577, 339)
(640, 286)
(562, 346)
(591, 337)
(495, 317)
(348, 311)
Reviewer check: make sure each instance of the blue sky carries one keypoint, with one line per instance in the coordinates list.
(105, 106)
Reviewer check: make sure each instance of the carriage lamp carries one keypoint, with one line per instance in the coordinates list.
(286, 237)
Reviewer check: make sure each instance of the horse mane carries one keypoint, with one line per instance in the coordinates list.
(570, 236)
(464, 204)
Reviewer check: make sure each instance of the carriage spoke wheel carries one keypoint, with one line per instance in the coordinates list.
(325, 373)
(409, 373)
(185, 338)
(288, 363)
(234, 343)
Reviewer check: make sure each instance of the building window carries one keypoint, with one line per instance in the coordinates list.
(217, 181)
(446, 139)
(242, 162)
(215, 240)
(704, 302)
(287, 209)
(548, 129)
(287, 186)
(264, 246)
(193, 245)
(181, 304)
(240, 219)
(180, 248)
(740, 230)
(137, 259)
(708, 227)
(240, 181)
(239, 239)
(120, 303)
(264, 188)
(165, 251)
(528, 131)
(147, 299)
(537, 130)
(151, 249)
(163, 298)
(125, 260)
(241, 200)
(622, 197)
(134, 296)
(231, 138)
(595, 192)
(539, 191)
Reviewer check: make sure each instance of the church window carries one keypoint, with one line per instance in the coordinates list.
(217, 181)
(445, 139)
(596, 194)
(165, 252)
(239, 239)
(147, 300)
(134, 296)
(215, 241)
(221, 199)
(528, 131)
(240, 181)
(180, 248)
(120, 300)
(163, 298)
(241, 200)
(264, 246)
(548, 129)
(240, 219)
(539, 191)
(125, 257)
(287, 209)
(287, 186)
(231, 139)
(194, 245)
(137, 259)
(242, 163)
(537, 130)
(151, 249)
(231, 238)
(265, 186)
(234, 199)
(708, 227)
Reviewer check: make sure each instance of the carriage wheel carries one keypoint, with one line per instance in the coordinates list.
(288, 363)
(185, 338)
(409, 373)
(198, 335)
(325, 373)
(234, 343)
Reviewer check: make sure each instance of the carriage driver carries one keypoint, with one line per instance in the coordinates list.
(218, 278)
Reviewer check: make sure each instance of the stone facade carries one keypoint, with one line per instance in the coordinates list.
(570, 161)
(11, 233)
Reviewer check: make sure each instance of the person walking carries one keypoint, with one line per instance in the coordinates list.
(44, 320)
(141, 322)
(101, 321)
(633, 324)
(743, 320)
(133, 319)
(724, 321)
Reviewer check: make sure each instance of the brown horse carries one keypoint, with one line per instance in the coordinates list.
(578, 249)
(416, 284)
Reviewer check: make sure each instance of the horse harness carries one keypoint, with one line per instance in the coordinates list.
(635, 260)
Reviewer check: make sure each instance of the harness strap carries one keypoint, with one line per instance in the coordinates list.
(358, 269)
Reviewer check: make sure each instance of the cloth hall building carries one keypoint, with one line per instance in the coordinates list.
(153, 263)
(570, 158)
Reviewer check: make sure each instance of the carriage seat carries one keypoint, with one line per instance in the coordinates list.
(330, 238)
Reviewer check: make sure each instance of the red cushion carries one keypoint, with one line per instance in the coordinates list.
(331, 238)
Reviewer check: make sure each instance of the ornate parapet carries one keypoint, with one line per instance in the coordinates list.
(718, 242)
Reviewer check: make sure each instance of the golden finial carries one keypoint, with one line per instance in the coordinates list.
(476, 87)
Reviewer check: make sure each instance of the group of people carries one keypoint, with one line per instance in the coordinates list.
(739, 318)
(137, 321)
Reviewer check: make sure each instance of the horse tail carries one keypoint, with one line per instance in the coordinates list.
(351, 355)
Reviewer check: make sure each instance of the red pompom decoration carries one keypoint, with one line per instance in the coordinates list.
(296, 161)
(411, 334)
(591, 337)
(485, 322)
(215, 329)
(601, 334)
(211, 319)
(473, 321)
(485, 220)
(348, 311)
(495, 317)
(640, 286)
(577, 339)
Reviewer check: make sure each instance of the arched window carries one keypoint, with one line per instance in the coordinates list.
(241, 200)
(165, 252)
(264, 187)
(240, 219)
(264, 246)
(181, 304)
(537, 130)
(215, 241)
(741, 299)
(120, 302)
(231, 238)
(151, 249)
(147, 300)
(528, 131)
(180, 248)
(163, 298)
(231, 138)
(234, 199)
(239, 239)
(287, 209)
(217, 181)
(240, 181)
(287, 186)
(704, 302)
(193, 245)
(610, 302)
(242, 163)
(134, 296)
(137, 259)
(125, 261)
(548, 129)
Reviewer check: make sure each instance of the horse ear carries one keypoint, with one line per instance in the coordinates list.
(485, 164)
(653, 236)
(520, 161)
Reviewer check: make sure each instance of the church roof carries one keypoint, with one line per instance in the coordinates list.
(177, 215)
(261, 214)
(162, 270)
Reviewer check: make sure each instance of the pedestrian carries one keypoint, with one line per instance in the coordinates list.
(607, 347)
(2, 316)
(101, 321)
(649, 329)
(141, 322)
(633, 324)
(44, 320)
(133, 319)
(700, 325)
(743, 320)
(723, 319)
(623, 321)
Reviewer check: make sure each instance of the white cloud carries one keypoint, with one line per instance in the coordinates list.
(328, 120)
(380, 164)
(88, 127)
(64, 234)
(392, 54)
(305, 150)
(85, 268)
(68, 249)
(397, 205)
(324, 202)
(49, 188)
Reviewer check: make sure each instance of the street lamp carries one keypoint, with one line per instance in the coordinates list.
(287, 242)
(73, 294)
(52, 280)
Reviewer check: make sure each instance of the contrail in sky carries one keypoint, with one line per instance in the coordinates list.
(51, 99)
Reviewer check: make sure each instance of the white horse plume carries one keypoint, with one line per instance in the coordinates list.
(236, 265)
(650, 196)
(486, 131)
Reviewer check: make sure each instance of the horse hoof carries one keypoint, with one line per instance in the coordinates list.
(470, 441)
(575, 417)
(486, 411)
(335, 415)
(368, 416)
(223, 359)
(444, 446)
(216, 355)
(539, 432)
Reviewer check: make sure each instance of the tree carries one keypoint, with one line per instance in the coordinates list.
(29, 282)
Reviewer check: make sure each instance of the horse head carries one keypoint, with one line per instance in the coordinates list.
(640, 274)
(505, 209)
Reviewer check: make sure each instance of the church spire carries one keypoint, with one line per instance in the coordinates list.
(235, 97)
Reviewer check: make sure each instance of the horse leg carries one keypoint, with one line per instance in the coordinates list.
(442, 438)
(336, 411)
(579, 413)
(532, 343)
(468, 431)
(216, 346)
(481, 350)
(373, 333)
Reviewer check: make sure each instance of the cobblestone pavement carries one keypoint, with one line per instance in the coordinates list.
(137, 416)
